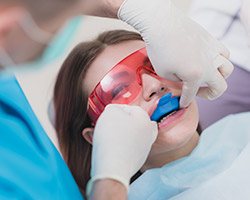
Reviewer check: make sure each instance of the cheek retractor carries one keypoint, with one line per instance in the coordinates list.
(166, 105)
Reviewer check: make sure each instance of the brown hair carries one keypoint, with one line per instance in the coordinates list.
(70, 102)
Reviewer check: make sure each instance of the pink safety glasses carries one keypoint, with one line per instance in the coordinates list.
(121, 85)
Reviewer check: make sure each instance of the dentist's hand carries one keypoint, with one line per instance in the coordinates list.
(245, 16)
(179, 48)
(122, 139)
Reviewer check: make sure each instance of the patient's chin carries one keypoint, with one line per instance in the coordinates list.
(179, 135)
(173, 141)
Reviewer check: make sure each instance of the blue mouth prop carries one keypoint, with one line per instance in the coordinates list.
(166, 105)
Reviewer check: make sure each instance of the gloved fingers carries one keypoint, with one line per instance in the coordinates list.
(189, 91)
(223, 50)
(136, 113)
(131, 111)
(225, 67)
(128, 109)
(171, 76)
(154, 131)
(244, 13)
(215, 87)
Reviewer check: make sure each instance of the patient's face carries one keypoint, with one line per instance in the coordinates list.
(174, 131)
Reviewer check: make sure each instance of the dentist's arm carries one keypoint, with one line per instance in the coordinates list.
(179, 48)
(122, 140)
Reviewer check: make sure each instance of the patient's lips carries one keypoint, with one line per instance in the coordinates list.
(172, 119)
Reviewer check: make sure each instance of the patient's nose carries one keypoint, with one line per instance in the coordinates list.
(152, 87)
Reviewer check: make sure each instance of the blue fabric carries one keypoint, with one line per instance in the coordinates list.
(219, 152)
(30, 165)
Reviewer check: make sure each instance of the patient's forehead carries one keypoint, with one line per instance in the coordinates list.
(107, 60)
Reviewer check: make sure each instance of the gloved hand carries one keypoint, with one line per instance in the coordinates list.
(179, 48)
(245, 16)
(122, 139)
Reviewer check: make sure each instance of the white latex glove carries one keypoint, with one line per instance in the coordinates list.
(122, 139)
(179, 48)
(245, 16)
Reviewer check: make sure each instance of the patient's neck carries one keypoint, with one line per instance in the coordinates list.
(170, 156)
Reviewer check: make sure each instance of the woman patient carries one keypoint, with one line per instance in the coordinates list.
(115, 68)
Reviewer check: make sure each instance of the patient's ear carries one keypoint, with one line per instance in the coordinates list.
(87, 134)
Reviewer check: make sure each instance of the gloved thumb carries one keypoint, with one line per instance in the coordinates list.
(189, 91)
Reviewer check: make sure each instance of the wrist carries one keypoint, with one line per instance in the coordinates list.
(111, 7)
(120, 178)
(101, 8)
(106, 189)
(136, 12)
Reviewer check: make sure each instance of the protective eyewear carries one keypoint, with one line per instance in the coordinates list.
(122, 84)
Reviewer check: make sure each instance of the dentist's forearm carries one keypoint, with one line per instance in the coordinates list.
(108, 189)
(101, 8)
